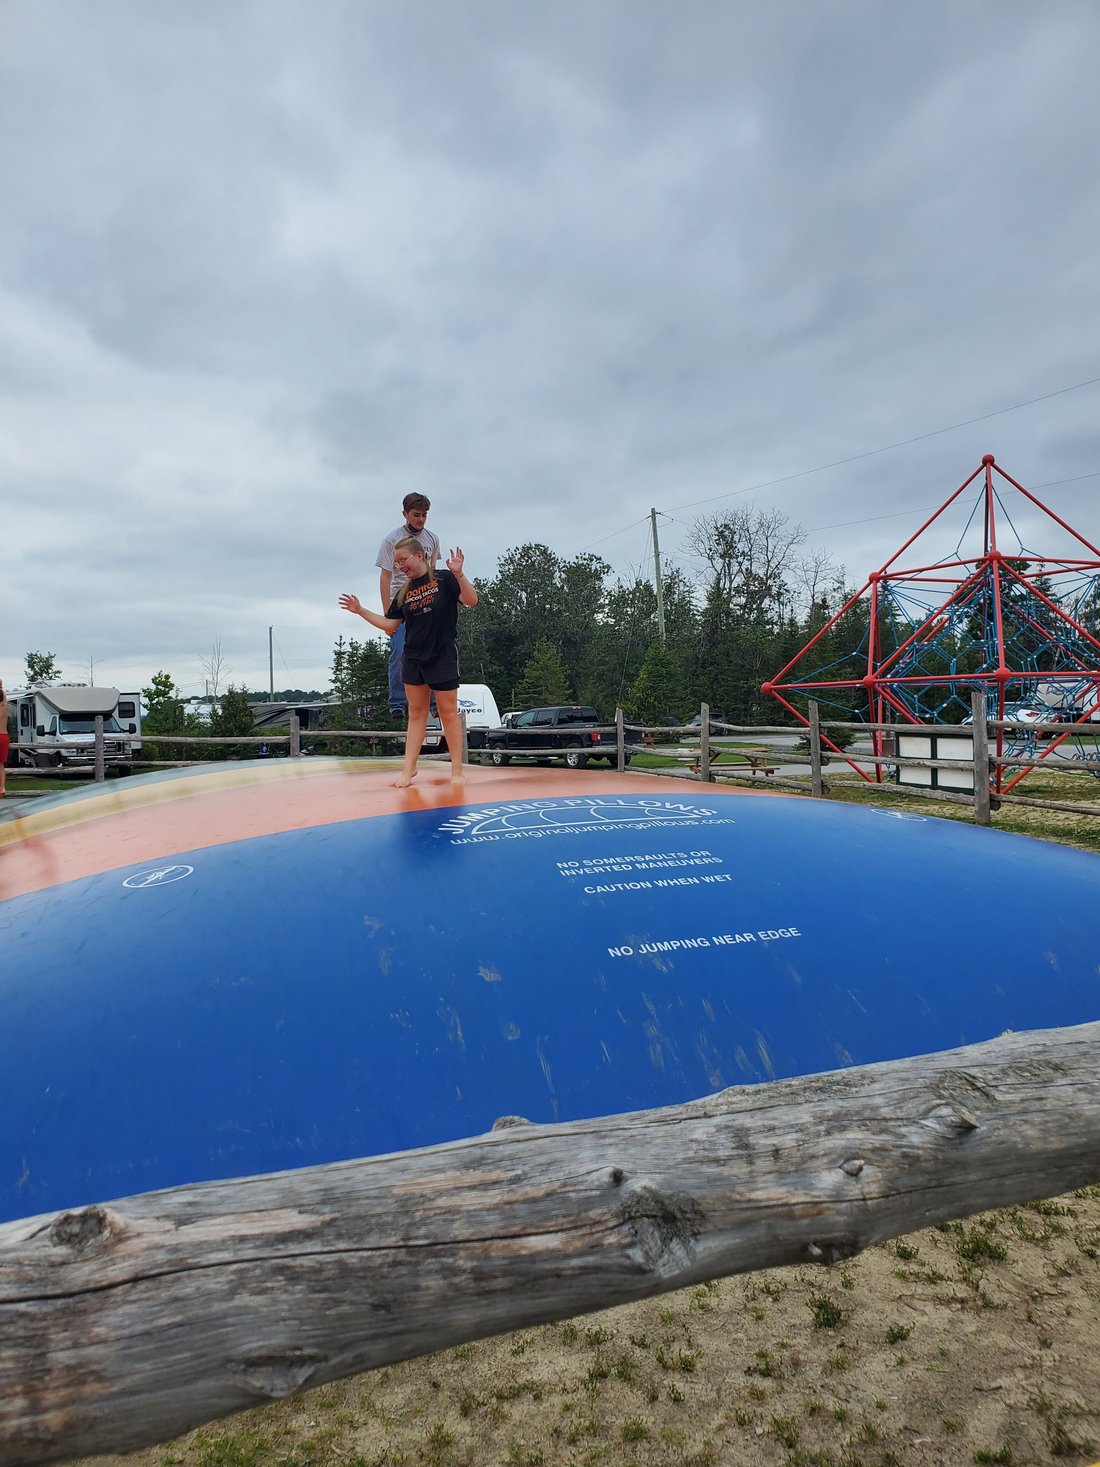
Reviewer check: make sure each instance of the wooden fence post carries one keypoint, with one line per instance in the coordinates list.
(620, 741)
(465, 737)
(295, 737)
(816, 786)
(100, 759)
(981, 758)
(704, 742)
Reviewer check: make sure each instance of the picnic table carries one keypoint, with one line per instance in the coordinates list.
(759, 761)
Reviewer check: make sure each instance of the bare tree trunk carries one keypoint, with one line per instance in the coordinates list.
(214, 669)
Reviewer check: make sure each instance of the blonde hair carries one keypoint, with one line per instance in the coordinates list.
(414, 547)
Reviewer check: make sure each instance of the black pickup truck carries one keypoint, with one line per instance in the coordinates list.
(570, 732)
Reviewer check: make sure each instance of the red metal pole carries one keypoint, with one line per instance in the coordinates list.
(1046, 510)
(950, 500)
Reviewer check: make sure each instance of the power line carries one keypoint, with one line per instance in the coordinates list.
(870, 453)
(874, 518)
(928, 508)
(1053, 483)
(870, 520)
(613, 534)
(889, 447)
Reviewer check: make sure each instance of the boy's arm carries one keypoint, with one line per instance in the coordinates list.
(384, 561)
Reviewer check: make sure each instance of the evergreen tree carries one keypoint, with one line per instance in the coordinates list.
(743, 657)
(482, 639)
(582, 595)
(1086, 609)
(658, 691)
(231, 716)
(537, 595)
(543, 679)
(627, 627)
(360, 684)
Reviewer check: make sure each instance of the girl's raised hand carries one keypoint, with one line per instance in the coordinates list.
(351, 603)
(455, 561)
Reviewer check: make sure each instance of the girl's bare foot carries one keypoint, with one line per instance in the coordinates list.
(404, 780)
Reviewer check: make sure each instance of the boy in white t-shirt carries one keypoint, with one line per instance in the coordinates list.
(415, 508)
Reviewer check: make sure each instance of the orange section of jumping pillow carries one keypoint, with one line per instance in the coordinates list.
(159, 819)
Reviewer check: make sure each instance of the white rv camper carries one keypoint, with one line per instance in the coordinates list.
(55, 725)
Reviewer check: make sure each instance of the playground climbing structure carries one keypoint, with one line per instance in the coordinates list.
(1019, 623)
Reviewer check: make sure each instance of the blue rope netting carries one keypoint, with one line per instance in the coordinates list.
(950, 650)
(932, 655)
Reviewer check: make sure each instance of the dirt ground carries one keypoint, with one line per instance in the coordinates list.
(975, 1342)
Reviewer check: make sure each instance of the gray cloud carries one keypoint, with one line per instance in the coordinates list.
(266, 268)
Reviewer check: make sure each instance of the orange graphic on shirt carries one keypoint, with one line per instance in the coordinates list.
(419, 600)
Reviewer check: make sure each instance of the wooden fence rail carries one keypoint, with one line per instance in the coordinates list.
(126, 1323)
(819, 753)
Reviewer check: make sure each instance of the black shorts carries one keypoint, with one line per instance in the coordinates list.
(441, 674)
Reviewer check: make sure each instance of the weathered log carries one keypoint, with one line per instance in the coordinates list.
(126, 1323)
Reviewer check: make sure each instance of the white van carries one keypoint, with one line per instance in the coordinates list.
(480, 707)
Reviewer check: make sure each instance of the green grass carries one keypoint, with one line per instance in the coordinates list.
(976, 1243)
(825, 1311)
(24, 783)
(1060, 826)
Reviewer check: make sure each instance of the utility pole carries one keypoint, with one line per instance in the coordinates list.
(271, 664)
(657, 577)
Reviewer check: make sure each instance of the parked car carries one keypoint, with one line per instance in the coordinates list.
(693, 725)
(664, 729)
(1072, 715)
(1022, 713)
(572, 731)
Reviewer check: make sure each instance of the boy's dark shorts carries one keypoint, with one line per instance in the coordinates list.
(441, 675)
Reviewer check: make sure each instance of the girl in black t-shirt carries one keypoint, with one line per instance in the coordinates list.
(427, 604)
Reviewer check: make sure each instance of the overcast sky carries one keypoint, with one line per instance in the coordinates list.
(267, 267)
